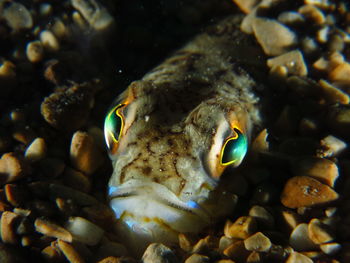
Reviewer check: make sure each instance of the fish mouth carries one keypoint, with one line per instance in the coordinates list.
(140, 204)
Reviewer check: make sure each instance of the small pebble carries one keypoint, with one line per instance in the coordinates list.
(255, 257)
(322, 35)
(17, 16)
(68, 109)
(78, 197)
(292, 60)
(237, 252)
(52, 167)
(300, 191)
(97, 16)
(51, 254)
(12, 168)
(8, 221)
(158, 253)
(36, 150)
(52, 230)
(330, 248)
(246, 5)
(197, 258)
(321, 169)
(274, 38)
(84, 154)
(84, 231)
(15, 195)
(338, 120)
(69, 252)
(340, 73)
(185, 242)
(49, 41)
(313, 14)
(333, 94)
(290, 18)
(257, 242)
(290, 220)
(296, 257)
(225, 242)
(242, 228)
(299, 238)
(35, 51)
(76, 180)
(319, 233)
(332, 146)
(262, 216)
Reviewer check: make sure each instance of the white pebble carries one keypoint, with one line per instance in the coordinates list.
(36, 150)
(35, 51)
(49, 41)
(17, 16)
(84, 231)
(299, 238)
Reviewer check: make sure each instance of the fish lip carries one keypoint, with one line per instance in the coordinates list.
(159, 193)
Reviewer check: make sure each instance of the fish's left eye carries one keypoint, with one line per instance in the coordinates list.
(234, 149)
(113, 127)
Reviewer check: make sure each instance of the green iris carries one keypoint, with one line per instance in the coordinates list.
(234, 149)
(114, 123)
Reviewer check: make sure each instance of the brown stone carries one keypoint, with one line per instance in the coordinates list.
(242, 228)
(84, 154)
(69, 252)
(293, 61)
(53, 230)
(257, 242)
(237, 252)
(8, 220)
(12, 168)
(36, 150)
(321, 169)
(319, 233)
(302, 191)
(296, 257)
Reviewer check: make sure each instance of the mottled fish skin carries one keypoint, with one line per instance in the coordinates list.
(166, 177)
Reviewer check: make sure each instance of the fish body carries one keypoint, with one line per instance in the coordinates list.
(172, 134)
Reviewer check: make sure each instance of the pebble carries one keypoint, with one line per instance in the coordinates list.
(319, 233)
(35, 51)
(257, 242)
(69, 252)
(197, 258)
(203, 245)
(49, 41)
(322, 35)
(12, 168)
(255, 257)
(333, 94)
(237, 252)
(158, 253)
(15, 195)
(185, 242)
(36, 151)
(299, 239)
(84, 231)
(17, 16)
(290, 18)
(332, 146)
(68, 109)
(242, 228)
(321, 169)
(292, 60)
(8, 221)
(246, 5)
(340, 73)
(262, 216)
(97, 16)
(52, 230)
(274, 37)
(85, 156)
(225, 242)
(313, 14)
(51, 254)
(290, 220)
(300, 191)
(330, 248)
(296, 257)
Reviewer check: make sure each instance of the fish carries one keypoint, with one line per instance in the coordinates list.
(172, 134)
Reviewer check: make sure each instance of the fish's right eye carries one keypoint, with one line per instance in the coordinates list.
(113, 127)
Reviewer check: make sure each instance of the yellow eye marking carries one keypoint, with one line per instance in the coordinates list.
(234, 148)
(114, 124)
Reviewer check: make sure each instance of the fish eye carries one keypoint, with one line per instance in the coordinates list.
(234, 149)
(113, 127)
